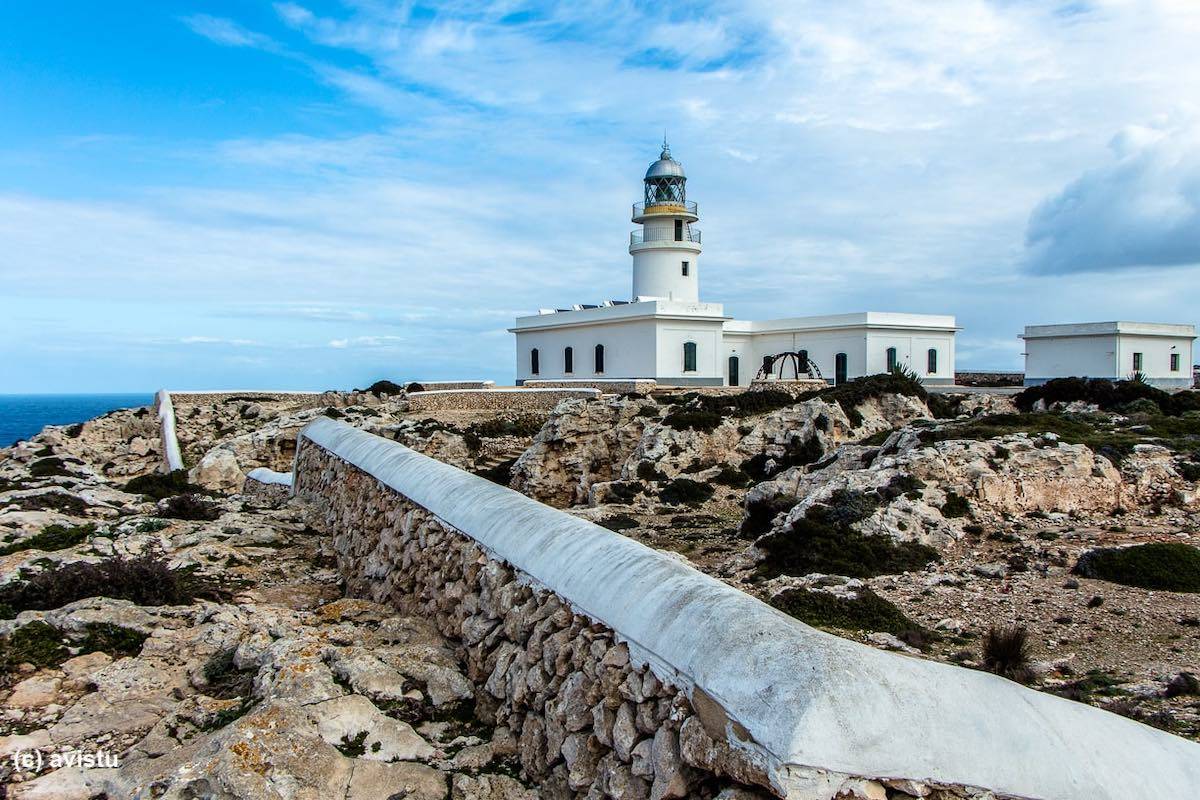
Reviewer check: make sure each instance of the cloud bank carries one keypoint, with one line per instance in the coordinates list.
(1140, 210)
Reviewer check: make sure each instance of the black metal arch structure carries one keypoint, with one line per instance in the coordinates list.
(790, 366)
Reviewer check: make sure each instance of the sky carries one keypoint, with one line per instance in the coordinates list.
(315, 195)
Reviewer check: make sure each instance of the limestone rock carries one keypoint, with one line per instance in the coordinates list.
(218, 470)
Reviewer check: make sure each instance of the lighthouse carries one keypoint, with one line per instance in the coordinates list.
(666, 333)
(666, 249)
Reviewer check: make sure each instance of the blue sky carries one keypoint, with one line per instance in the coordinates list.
(317, 195)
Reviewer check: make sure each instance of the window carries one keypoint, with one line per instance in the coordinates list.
(533, 362)
(1137, 362)
(685, 269)
(840, 371)
(679, 230)
(802, 362)
(689, 356)
(1174, 362)
(569, 360)
(931, 361)
(599, 359)
(892, 363)
(733, 370)
(768, 363)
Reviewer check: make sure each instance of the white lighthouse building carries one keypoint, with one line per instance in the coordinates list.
(666, 333)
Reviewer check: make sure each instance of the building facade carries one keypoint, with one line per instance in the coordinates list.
(1160, 353)
(665, 332)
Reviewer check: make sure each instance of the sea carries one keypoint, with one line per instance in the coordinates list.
(23, 415)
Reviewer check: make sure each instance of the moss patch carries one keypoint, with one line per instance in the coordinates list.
(1167, 566)
(36, 643)
(51, 538)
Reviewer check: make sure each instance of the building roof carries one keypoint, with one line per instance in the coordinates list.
(1118, 327)
(665, 166)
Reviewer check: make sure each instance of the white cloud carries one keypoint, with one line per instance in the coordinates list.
(1141, 209)
(226, 31)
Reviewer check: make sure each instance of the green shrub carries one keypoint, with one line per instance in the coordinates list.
(158, 486)
(824, 541)
(943, 406)
(190, 507)
(732, 476)
(115, 640)
(626, 491)
(955, 506)
(685, 491)
(51, 538)
(383, 387)
(1164, 566)
(866, 612)
(1108, 395)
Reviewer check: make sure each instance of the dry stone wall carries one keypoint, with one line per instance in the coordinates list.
(623, 673)
(608, 386)
(493, 399)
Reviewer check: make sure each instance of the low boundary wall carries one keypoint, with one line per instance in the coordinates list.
(610, 386)
(615, 662)
(494, 399)
(433, 386)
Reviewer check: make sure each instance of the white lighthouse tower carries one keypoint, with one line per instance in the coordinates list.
(666, 251)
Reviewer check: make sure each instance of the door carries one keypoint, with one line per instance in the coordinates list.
(733, 370)
(839, 368)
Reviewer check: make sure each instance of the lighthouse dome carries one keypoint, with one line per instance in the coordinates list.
(665, 167)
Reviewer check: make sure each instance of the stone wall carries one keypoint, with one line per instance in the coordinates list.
(613, 386)
(210, 398)
(989, 378)
(432, 386)
(493, 399)
(624, 673)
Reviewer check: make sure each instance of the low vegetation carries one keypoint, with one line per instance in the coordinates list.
(51, 538)
(1163, 566)
(824, 540)
(685, 491)
(851, 394)
(190, 507)
(42, 645)
(866, 611)
(1108, 395)
(146, 580)
(1006, 653)
(1115, 441)
(49, 467)
(158, 486)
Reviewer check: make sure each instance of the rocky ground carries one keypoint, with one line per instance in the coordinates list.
(206, 644)
(201, 635)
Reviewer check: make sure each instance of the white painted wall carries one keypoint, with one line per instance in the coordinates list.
(671, 336)
(628, 350)
(806, 698)
(1106, 350)
(658, 270)
(1078, 356)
